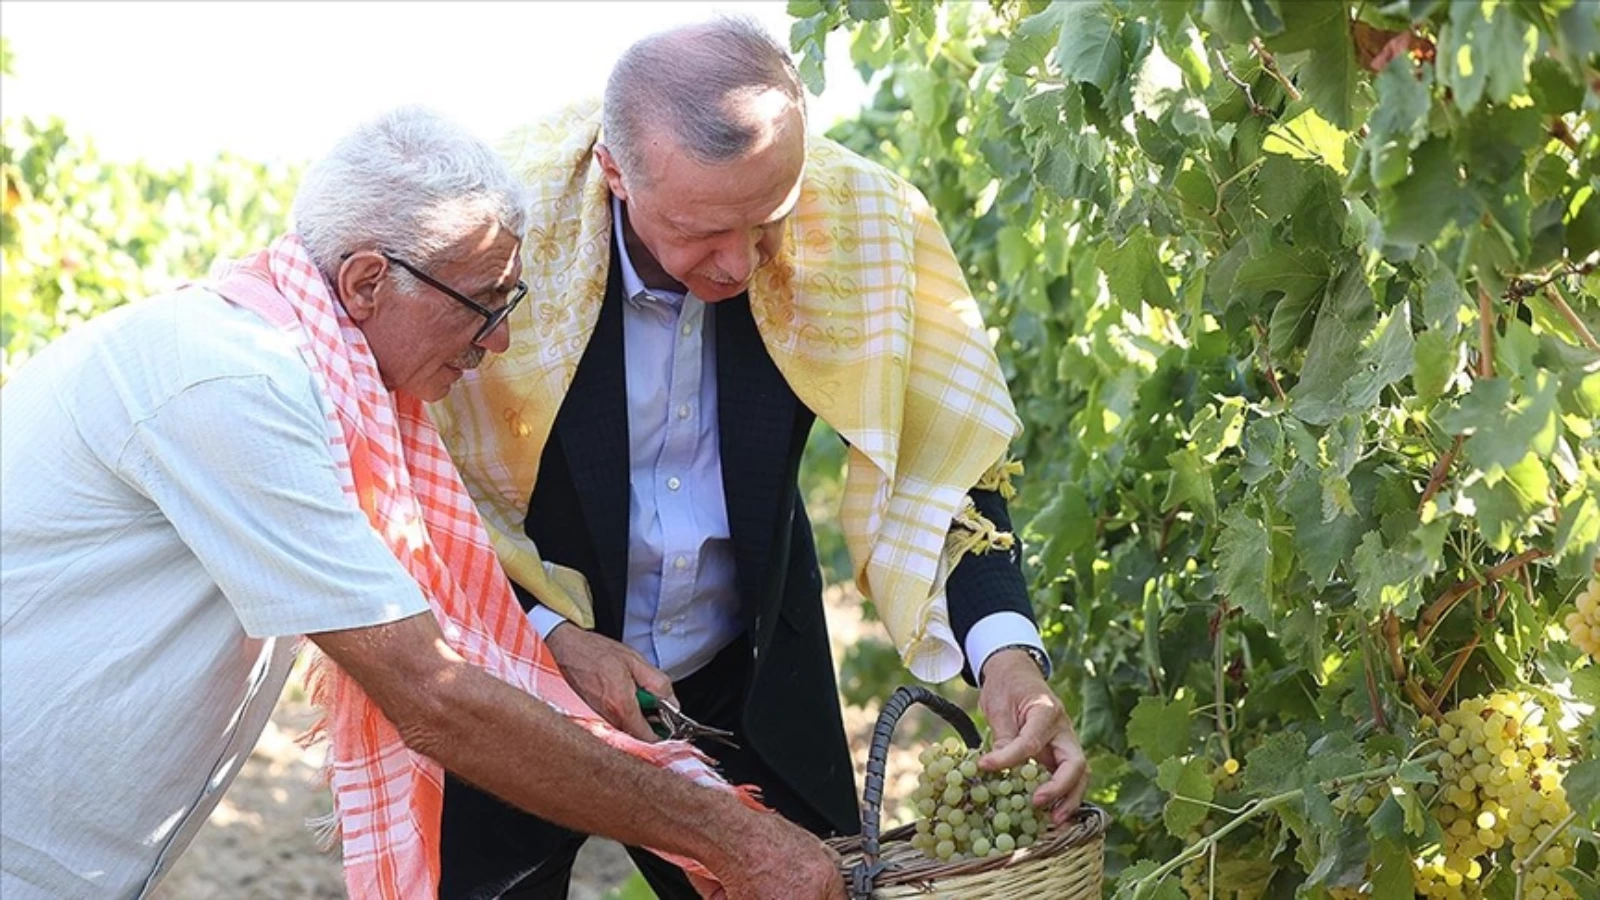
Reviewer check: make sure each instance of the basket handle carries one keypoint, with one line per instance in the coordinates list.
(866, 871)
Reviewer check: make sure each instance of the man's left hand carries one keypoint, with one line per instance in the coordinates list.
(1028, 721)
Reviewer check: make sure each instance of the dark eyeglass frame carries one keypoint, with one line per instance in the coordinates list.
(492, 318)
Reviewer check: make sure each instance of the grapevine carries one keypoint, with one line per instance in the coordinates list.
(1298, 300)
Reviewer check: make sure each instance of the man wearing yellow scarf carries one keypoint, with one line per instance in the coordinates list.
(705, 282)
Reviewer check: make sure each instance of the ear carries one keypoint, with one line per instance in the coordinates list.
(608, 167)
(359, 280)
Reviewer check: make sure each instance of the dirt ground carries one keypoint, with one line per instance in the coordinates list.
(257, 844)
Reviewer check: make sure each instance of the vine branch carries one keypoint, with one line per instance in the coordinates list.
(1255, 809)
(1485, 334)
(1518, 288)
(1270, 64)
(1441, 607)
(1441, 470)
(1560, 303)
(1249, 96)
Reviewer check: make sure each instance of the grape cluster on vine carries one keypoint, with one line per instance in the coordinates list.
(966, 813)
(1499, 801)
(1584, 625)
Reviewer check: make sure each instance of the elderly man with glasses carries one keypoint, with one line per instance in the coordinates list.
(193, 481)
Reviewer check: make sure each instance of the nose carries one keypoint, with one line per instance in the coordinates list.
(740, 260)
(498, 340)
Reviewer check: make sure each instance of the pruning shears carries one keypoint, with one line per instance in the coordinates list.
(668, 721)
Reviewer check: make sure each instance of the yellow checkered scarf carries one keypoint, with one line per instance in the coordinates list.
(864, 311)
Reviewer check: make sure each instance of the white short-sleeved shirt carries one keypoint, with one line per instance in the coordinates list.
(170, 516)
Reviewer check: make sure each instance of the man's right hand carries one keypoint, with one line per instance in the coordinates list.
(778, 861)
(607, 675)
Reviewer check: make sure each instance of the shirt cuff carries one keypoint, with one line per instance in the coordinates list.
(994, 631)
(544, 619)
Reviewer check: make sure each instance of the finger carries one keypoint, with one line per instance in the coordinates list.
(1074, 799)
(651, 678)
(1068, 777)
(627, 715)
(1038, 724)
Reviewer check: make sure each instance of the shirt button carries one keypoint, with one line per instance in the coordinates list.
(687, 329)
(683, 411)
(681, 563)
(673, 484)
(666, 627)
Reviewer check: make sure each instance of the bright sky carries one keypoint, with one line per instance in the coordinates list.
(180, 81)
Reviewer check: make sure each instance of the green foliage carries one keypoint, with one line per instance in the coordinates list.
(80, 234)
(1296, 299)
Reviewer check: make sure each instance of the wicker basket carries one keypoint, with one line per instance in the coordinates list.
(1063, 864)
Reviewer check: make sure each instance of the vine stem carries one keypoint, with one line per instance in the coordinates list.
(1264, 805)
(1447, 601)
(1218, 654)
(1561, 306)
(1485, 334)
(1373, 699)
(1266, 360)
(1456, 668)
(1249, 96)
(1270, 63)
(1441, 470)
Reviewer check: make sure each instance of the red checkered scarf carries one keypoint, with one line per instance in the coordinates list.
(388, 799)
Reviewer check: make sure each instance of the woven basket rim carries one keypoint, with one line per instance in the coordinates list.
(1087, 825)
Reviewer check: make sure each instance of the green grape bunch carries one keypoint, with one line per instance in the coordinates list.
(1500, 801)
(1584, 624)
(965, 813)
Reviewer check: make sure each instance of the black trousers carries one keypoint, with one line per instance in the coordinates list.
(489, 849)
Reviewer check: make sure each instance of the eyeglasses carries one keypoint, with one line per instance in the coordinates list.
(491, 317)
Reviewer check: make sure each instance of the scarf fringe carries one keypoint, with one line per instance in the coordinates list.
(998, 477)
(973, 532)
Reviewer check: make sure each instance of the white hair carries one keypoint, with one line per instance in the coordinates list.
(696, 81)
(409, 182)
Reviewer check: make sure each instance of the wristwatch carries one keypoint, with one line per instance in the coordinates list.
(1034, 653)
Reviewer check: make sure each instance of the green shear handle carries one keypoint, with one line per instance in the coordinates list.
(669, 722)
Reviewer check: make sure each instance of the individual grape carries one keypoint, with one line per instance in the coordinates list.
(1584, 624)
(1005, 843)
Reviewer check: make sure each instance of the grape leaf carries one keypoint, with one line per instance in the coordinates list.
(1134, 272)
(1391, 871)
(1577, 540)
(1309, 136)
(1185, 779)
(1030, 43)
(1582, 783)
(1387, 579)
(1329, 71)
(1160, 729)
(1435, 363)
(1345, 319)
(1503, 429)
(1482, 50)
(1191, 483)
(1432, 198)
(1244, 561)
(1274, 766)
(1089, 49)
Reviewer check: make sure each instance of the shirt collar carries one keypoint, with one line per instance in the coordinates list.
(632, 285)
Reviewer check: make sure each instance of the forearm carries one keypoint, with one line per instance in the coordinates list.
(519, 749)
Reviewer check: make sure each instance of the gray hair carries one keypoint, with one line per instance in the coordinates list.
(410, 182)
(693, 81)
